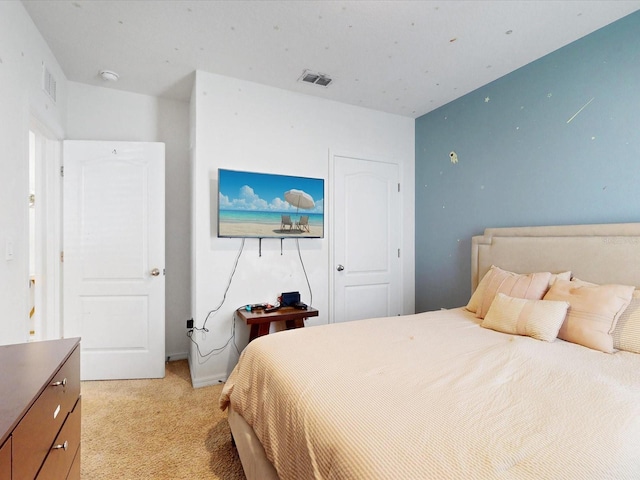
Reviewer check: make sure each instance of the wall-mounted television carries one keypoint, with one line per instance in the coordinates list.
(263, 205)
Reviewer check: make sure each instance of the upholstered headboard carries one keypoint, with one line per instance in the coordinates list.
(605, 253)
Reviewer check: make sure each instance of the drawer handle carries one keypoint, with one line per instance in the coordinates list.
(64, 446)
(60, 383)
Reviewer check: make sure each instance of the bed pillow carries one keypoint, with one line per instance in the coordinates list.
(531, 286)
(626, 335)
(540, 319)
(559, 276)
(593, 313)
(478, 295)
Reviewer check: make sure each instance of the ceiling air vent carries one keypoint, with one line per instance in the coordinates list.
(48, 83)
(315, 78)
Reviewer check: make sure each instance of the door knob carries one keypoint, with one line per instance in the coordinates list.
(340, 268)
(155, 272)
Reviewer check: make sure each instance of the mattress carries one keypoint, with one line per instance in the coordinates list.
(434, 395)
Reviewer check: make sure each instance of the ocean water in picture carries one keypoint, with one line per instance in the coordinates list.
(244, 216)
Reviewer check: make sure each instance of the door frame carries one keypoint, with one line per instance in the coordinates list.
(48, 164)
(331, 222)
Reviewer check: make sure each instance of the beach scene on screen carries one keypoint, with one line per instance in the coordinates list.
(252, 204)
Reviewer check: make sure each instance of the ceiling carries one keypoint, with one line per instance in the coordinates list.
(401, 57)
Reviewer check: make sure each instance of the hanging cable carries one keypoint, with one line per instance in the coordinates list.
(212, 312)
(305, 273)
(214, 351)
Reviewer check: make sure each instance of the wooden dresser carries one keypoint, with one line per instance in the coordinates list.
(40, 410)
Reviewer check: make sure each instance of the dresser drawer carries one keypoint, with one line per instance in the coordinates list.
(63, 451)
(5, 460)
(74, 471)
(34, 435)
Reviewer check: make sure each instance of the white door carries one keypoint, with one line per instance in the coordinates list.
(113, 268)
(366, 239)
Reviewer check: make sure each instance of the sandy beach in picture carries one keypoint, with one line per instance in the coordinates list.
(233, 229)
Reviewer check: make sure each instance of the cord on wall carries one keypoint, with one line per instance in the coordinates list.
(216, 351)
(232, 336)
(305, 273)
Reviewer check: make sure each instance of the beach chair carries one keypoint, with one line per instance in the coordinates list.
(303, 224)
(286, 221)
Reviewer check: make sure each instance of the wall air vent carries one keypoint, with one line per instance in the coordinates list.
(315, 78)
(48, 83)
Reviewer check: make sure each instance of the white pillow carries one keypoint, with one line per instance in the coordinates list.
(540, 319)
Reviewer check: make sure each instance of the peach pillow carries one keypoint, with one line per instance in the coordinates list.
(477, 298)
(540, 319)
(626, 335)
(593, 313)
(531, 286)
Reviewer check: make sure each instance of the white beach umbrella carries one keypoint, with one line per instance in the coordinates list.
(299, 199)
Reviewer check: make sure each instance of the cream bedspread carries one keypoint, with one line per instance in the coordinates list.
(436, 396)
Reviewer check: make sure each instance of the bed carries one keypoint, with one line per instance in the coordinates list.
(482, 391)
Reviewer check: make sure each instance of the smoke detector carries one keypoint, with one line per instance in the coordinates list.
(109, 76)
(315, 78)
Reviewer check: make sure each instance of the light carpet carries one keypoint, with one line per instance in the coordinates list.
(156, 429)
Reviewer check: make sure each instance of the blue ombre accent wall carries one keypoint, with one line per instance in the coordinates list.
(555, 142)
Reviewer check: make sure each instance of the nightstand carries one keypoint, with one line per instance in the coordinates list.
(260, 321)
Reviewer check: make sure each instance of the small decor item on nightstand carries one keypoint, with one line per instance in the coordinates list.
(289, 299)
(256, 306)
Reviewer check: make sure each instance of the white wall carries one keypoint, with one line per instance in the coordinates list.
(93, 113)
(22, 54)
(97, 113)
(247, 126)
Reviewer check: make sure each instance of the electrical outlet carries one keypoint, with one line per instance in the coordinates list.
(190, 323)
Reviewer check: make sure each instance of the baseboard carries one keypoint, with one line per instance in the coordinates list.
(176, 356)
(206, 381)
